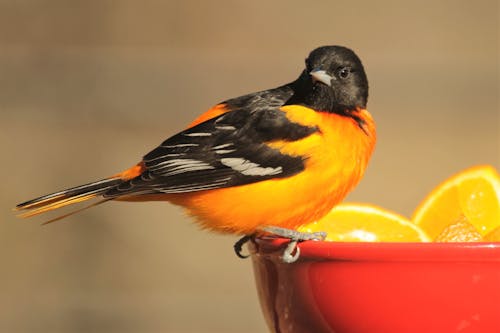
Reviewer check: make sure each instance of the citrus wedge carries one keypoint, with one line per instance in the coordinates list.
(459, 231)
(352, 222)
(493, 236)
(473, 194)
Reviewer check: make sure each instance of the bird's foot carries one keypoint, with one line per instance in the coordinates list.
(238, 246)
(292, 251)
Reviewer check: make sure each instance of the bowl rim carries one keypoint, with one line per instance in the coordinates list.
(272, 247)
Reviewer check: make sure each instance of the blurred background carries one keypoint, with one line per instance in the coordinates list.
(89, 86)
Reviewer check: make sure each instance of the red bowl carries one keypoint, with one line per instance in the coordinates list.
(379, 287)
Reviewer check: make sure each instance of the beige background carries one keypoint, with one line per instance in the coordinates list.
(88, 87)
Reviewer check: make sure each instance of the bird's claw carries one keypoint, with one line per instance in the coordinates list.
(294, 234)
(292, 251)
(288, 255)
(238, 246)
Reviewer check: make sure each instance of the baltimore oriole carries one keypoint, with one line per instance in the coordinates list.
(281, 157)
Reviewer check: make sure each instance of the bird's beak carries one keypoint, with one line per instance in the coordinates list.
(321, 76)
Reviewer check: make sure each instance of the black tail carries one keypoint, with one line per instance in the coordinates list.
(67, 197)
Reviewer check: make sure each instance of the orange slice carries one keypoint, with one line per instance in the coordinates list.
(352, 222)
(493, 236)
(460, 231)
(473, 194)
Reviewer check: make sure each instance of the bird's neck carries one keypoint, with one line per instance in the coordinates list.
(318, 96)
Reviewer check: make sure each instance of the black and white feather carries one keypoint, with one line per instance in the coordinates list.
(228, 150)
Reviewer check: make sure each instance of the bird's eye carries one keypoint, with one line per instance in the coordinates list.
(344, 72)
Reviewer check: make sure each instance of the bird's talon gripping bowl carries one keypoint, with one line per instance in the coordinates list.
(292, 251)
(319, 235)
(238, 246)
(294, 234)
(288, 255)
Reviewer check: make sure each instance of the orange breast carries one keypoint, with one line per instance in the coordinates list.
(336, 157)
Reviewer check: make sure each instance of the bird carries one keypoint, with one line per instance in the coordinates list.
(272, 160)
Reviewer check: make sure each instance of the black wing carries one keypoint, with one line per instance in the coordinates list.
(262, 100)
(225, 151)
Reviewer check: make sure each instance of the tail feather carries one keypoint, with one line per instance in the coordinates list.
(60, 217)
(67, 197)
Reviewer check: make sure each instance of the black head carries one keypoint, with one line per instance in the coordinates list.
(334, 80)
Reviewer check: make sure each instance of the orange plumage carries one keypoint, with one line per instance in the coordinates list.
(282, 157)
(333, 169)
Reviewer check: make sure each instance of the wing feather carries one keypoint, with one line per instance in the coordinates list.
(228, 150)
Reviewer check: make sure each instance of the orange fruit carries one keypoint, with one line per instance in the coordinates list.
(473, 194)
(352, 222)
(493, 236)
(460, 231)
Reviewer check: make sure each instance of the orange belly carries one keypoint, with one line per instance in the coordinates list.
(336, 157)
